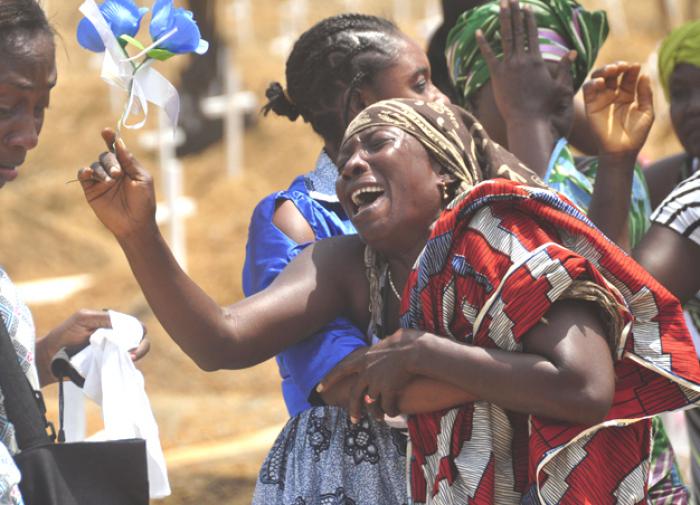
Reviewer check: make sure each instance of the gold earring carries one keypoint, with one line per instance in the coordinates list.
(445, 194)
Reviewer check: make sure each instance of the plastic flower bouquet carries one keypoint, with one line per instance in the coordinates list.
(112, 27)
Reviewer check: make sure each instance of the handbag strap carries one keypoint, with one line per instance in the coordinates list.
(24, 406)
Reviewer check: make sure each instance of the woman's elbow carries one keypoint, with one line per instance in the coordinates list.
(222, 356)
(593, 403)
(213, 362)
(207, 364)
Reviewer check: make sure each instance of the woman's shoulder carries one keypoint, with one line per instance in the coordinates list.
(343, 257)
(348, 248)
(295, 193)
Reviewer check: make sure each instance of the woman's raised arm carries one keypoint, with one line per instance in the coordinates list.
(301, 300)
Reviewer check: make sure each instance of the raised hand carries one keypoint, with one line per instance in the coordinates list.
(119, 190)
(523, 86)
(619, 107)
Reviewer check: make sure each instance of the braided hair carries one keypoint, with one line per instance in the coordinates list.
(327, 64)
(17, 18)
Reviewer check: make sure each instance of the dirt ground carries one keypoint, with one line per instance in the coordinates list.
(47, 230)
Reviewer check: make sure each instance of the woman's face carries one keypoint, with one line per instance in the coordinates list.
(407, 77)
(26, 80)
(684, 89)
(389, 187)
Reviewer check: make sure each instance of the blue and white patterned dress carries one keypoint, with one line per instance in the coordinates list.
(319, 458)
(20, 325)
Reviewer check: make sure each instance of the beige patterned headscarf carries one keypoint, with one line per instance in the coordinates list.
(452, 135)
(461, 146)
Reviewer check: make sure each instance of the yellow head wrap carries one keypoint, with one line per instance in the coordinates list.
(682, 45)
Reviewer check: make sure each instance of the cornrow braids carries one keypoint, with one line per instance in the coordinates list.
(327, 64)
(17, 17)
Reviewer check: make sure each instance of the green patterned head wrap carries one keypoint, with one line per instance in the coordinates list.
(562, 25)
(682, 45)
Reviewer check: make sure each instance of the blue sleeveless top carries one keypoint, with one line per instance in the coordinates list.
(269, 250)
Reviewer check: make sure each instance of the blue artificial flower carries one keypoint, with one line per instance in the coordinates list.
(123, 17)
(187, 39)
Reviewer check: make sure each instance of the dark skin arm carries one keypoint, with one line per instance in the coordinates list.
(582, 136)
(215, 337)
(661, 251)
(554, 377)
(290, 222)
(418, 395)
(531, 97)
(526, 93)
(620, 110)
(324, 281)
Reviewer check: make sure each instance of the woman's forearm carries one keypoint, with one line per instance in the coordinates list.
(424, 394)
(192, 319)
(532, 141)
(561, 382)
(420, 395)
(301, 300)
(610, 203)
(44, 352)
(520, 382)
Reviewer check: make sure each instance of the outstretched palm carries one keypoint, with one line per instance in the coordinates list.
(619, 107)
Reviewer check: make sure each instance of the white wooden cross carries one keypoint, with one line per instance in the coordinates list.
(292, 21)
(176, 207)
(232, 107)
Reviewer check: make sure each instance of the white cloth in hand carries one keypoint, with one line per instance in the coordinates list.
(113, 382)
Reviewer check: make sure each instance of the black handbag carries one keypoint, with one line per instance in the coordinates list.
(77, 473)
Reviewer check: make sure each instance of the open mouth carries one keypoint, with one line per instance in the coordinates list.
(363, 198)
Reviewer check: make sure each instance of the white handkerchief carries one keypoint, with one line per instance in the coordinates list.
(113, 382)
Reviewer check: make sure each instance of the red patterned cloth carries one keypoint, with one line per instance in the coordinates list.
(497, 260)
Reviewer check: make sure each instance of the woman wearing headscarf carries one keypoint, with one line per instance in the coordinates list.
(670, 250)
(679, 73)
(510, 296)
(518, 70)
(367, 58)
